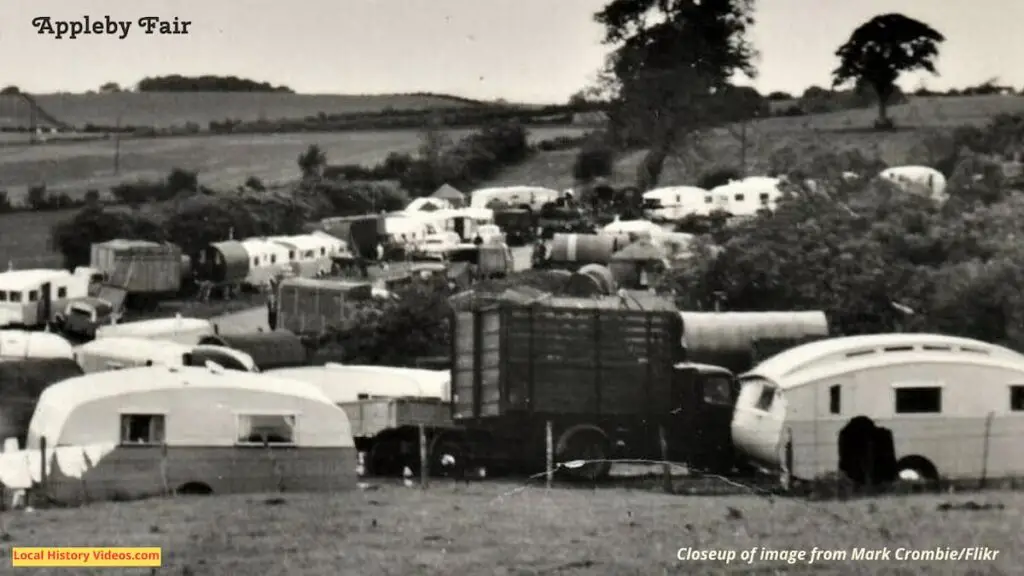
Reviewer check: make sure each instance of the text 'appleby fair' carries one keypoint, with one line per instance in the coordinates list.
(107, 26)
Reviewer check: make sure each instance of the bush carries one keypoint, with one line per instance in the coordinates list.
(596, 159)
(74, 237)
(362, 197)
(719, 176)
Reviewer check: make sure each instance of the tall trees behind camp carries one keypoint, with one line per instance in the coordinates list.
(668, 75)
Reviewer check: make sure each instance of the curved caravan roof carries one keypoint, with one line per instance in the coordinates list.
(27, 279)
(157, 327)
(264, 249)
(304, 243)
(346, 383)
(137, 349)
(58, 402)
(420, 204)
(797, 365)
(658, 193)
(479, 198)
(24, 344)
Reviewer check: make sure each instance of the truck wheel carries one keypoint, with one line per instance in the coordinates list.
(385, 459)
(589, 447)
(447, 458)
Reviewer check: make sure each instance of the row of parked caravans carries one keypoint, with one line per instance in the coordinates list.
(212, 425)
(256, 261)
(747, 196)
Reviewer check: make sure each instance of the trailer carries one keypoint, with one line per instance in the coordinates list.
(607, 374)
(147, 271)
(385, 407)
(308, 306)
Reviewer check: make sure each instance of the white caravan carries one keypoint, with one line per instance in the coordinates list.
(675, 202)
(924, 405)
(917, 179)
(21, 294)
(20, 344)
(312, 253)
(531, 197)
(746, 197)
(267, 260)
(188, 331)
(157, 430)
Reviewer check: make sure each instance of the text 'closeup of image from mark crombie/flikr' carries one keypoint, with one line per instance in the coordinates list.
(109, 26)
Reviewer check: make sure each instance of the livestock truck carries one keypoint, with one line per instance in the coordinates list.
(609, 375)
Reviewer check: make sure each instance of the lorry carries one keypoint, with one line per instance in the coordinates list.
(147, 271)
(610, 374)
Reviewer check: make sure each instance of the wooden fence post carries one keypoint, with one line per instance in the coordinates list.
(787, 471)
(163, 470)
(666, 467)
(424, 461)
(549, 454)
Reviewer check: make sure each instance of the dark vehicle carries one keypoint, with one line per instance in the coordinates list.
(610, 376)
(518, 225)
(564, 218)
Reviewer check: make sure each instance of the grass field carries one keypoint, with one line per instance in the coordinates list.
(162, 110)
(488, 529)
(222, 161)
(918, 120)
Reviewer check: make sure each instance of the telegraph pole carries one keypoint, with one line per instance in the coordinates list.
(117, 146)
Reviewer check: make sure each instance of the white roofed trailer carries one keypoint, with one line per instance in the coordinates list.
(886, 406)
(21, 344)
(188, 331)
(189, 430)
(267, 260)
(385, 406)
(675, 202)
(32, 298)
(118, 353)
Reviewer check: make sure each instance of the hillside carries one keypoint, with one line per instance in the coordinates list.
(767, 140)
(163, 110)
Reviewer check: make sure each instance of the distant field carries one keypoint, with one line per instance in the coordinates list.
(498, 528)
(918, 120)
(162, 110)
(222, 161)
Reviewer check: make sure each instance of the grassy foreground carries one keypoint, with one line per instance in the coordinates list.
(492, 528)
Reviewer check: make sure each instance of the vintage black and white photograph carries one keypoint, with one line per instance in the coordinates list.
(511, 287)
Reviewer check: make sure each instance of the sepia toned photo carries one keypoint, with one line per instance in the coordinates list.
(574, 287)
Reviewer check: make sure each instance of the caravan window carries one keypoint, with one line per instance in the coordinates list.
(3, 296)
(718, 390)
(291, 254)
(764, 402)
(142, 429)
(921, 400)
(739, 197)
(1017, 398)
(33, 295)
(256, 262)
(708, 200)
(764, 199)
(259, 429)
(834, 398)
(62, 292)
(15, 296)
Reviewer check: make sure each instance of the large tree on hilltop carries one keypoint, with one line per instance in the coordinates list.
(671, 65)
(880, 50)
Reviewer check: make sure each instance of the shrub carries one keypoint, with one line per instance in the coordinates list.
(596, 159)
(74, 237)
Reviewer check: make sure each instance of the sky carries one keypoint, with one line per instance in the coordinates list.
(538, 51)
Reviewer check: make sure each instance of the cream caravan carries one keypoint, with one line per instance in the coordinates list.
(187, 331)
(267, 260)
(675, 202)
(310, 253)
(22, 294)
(21, 344)
(118, 353)
(748, 196)
(189, 430)
(531, 197)
(924, 405)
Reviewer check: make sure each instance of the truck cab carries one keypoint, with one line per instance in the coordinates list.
(703, 398)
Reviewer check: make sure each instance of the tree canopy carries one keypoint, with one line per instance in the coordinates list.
(881, 49)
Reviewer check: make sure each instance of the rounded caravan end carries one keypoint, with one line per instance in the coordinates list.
(187, 331)
(116, 353)
(344, 383)
(26, 344)
(179, 413)
(892, 391)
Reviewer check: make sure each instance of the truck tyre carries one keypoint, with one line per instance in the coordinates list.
(589, 445)
(385, 458)
(448, 458)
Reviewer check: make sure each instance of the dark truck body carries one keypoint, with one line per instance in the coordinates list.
(608, 374)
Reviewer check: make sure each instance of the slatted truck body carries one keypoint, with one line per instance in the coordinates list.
(607, 373)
